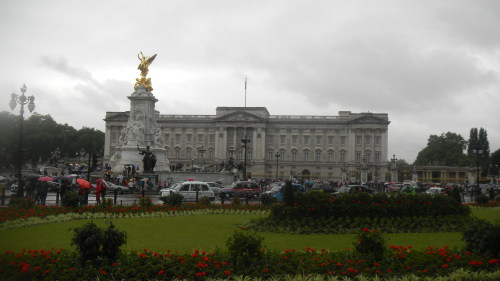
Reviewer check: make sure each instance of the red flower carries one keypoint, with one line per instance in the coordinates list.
(102, 271)
(366, 229)
(493, 261)
(227, 272)
(265, 270)
(444, 266)
(161, 272)
(114, 264)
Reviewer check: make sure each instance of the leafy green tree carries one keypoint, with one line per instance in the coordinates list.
(478, 141)
(42, 136)
(446, 150)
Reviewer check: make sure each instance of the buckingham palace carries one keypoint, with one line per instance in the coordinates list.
(349, 146)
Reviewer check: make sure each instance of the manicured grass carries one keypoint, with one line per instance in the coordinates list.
(207, 232)
(490, 214)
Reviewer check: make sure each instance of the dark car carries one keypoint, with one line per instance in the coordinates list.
(353, 189)
(277, 190)
(242, 189)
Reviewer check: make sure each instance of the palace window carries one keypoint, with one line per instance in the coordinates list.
(306, 140)
(343, 156)
(330, 156)
(189, 138)
(378, 140)
(358, 157)
(177, 153)
(377, 157)
(188, 153)
(306, 155)
(317, 155)
(177, 138)
(343, 140)
(294, 155)
(200, 138)
(295, 139)
(318, 140)
(211, 138)
(368, 139)
(330, 140)
(282, 139)
(358, 140)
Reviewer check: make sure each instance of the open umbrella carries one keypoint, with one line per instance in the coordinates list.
(84, 183)
(45, 179)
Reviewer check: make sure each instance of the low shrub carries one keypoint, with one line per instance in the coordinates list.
(21, 203)
(205, 201)
(244, 249)
(482, 199)
(71, 199)
(369, 243)
(267, 199)
(96, 245)
(236, 201)
(145, 202)
(483, 238)
(173, 199)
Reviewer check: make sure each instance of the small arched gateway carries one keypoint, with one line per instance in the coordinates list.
(306, 174)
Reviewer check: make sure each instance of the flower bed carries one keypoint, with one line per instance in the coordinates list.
(9, 214)
(148, 265)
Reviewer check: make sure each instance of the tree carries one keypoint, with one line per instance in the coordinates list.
(446, 149)
(478, 140)
(42, 136)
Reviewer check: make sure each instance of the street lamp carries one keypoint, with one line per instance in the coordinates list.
(277, 155)
(245, 142)
(22, 100)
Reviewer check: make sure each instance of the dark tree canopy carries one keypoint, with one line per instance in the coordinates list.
(444, 150)
(42, 136)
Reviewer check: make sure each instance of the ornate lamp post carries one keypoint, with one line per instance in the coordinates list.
(245, 142)
(277, 155)
(22, 100)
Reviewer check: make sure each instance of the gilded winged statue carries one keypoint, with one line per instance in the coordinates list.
(144, 68)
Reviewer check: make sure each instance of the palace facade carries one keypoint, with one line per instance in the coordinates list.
(350, 146)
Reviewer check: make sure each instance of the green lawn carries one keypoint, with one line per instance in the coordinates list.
(207, 232)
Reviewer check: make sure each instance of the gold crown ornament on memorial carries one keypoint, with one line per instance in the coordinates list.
(144, 68)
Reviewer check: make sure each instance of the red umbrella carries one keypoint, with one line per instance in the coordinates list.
(45, 179)
(84, 183)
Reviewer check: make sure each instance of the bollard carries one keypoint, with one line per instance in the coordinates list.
(248, 196)
(57, 197)
(222, 196)
(197, 196)
(115, 195)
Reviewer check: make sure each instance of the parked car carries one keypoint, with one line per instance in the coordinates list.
(111, 187)
(242, 189)
(189, 189)
(435, 190)
(277, 190)
(215, 187)
(353, 189)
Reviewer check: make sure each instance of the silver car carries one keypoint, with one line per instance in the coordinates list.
(189, 189)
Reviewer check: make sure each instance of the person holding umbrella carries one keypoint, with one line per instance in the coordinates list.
(85, 187)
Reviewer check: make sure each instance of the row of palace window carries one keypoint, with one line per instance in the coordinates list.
(293, 155)
(331, 140)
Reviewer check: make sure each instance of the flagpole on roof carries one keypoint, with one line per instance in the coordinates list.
(245, 92)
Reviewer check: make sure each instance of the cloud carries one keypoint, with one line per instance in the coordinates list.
(61, 65)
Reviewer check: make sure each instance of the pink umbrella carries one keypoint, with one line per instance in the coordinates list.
(45, 179)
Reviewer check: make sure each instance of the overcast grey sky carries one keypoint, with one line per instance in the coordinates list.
(433, 66)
